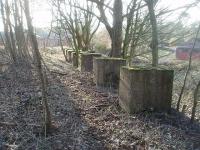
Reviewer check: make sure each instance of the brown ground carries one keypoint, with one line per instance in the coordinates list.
(87, 117)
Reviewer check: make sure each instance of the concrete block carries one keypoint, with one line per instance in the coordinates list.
(86, 61)
(107, 71)
(145, 89)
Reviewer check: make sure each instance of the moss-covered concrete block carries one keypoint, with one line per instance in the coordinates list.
(86, 61)
(145, 89)
(3, 67)
(107, 71)
(69, 55)
(65, 51)
(74, 59)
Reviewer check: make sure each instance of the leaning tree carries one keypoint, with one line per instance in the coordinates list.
(47, 114)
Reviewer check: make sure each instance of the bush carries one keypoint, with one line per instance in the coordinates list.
(100, 47)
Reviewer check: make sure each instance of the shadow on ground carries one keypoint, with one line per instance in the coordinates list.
(21, 114)
(118, 130)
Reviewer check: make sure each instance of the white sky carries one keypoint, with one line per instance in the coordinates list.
(41, 11)
(173, 4)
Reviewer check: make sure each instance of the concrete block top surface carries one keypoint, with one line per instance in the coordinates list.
(70, 50)
(93, 54)
(110, 58)
(146, 68)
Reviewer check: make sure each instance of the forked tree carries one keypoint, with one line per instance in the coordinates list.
(114, 30)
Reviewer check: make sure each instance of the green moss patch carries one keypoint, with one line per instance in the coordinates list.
(138, 68)
(86, 53)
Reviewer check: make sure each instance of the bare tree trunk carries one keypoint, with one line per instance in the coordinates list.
(19, 34)
(196, 97)
(59, 30)
(128, 35)
(154, 43)
(61, 45)
(48, 123)
(115, 32)
(187, 72)
(6, 31)
(2, 39)
(13, 45)
(117, 29)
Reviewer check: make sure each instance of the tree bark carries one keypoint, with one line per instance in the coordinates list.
(115, 32)
(48, 123)
(154, 43)
(117, 29)
(196, 96)
(6, 31)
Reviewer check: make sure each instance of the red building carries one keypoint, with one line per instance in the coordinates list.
(183, 51)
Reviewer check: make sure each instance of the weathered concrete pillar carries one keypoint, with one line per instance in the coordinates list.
(66, 51)
(86, 61)
(3, 67)
(69, 55)
(74, 59)
(145, 89)
(107, 71)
